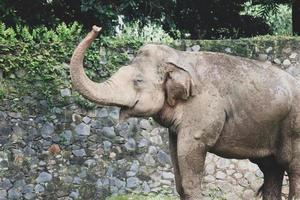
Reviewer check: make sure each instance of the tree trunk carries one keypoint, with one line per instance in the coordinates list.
(296, 17)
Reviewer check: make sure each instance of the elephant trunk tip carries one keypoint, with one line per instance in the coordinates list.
(97, 29)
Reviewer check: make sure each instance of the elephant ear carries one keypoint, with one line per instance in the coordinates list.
(179, 84)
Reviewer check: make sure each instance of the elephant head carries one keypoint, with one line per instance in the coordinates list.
(157, 77)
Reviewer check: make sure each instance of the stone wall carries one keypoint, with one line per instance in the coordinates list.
(71, 153)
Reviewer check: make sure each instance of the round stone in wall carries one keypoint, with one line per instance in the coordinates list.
(277, 61)
(47, 130)
(83, 129)
(262, 57)
(286, 63)
(44, 177)
(109, 132)
(293, 55)
(196, 47)
(149, 160)
(79, 152)
(14, 194)
(145, 125)
(163, 158)
(248, 194)
(132, 182)
(220, 175)
(39, 188)
(66, 92)
(130, 145)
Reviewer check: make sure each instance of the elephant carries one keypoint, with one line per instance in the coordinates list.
(227, 105)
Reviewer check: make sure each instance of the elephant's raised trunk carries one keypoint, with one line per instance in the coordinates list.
(106, 93)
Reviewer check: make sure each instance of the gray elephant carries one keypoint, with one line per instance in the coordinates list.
(211, 102)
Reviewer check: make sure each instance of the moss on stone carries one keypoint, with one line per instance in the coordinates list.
(245, 47)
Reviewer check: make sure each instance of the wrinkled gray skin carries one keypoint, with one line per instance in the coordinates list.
(211, 102)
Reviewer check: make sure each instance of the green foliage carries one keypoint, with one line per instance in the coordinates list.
(277, 16)
(32, 60)
(281, 21)
(136, 33)
(2, 91)
(37, 51)
(79, 100)
(216, 194)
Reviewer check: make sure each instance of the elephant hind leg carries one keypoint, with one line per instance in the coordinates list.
(293, 168)
(273, 176)
(294, 171)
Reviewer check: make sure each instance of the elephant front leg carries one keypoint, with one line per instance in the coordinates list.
(191, 158)
(202, 122)
(174, 157)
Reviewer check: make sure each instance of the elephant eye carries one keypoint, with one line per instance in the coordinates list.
(138, 81)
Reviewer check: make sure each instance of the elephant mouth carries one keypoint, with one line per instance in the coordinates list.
(125, 111)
